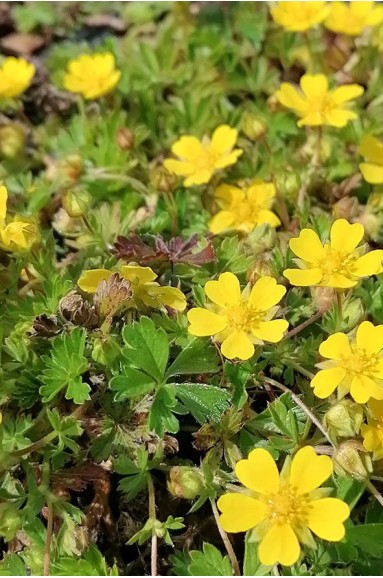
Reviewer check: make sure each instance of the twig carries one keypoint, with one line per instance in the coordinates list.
(302, 405)
(48, 539)
(377, 495)
(153, 517)
(225, 540)
(304, 324)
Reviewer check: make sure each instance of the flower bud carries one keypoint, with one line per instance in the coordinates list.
(350, 458)
(125, 139)
(185, 482)
(45, 326)
(344, 419)
(253, 126)
(162, 180)
(76, 203)
(287, 184)
(372, 223)
(68, 169)
(346, 208)
(12, 140)
(76, 310)
(324, 297)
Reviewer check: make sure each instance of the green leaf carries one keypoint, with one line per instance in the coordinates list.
(63, 369)
(209, 562)
(197, 357)
(146, 348)
(369, 538)
(205, 402)
(251, 564)
(136, 473)
(132, 383)
(161, 417)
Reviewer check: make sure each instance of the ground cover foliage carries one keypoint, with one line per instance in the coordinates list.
(191, 288)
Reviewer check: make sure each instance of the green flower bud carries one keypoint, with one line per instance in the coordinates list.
(10, 521)
(253, 126)
(350, 458)
(76, 203)
(344, 419)
(185, 482)
(12, 140)
(162, 180)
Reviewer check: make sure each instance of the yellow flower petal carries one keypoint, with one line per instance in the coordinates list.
(339, 117)
(363, 387)
(188, 148)
(314, 86)
(271, 331)
(179, 168)
(289, 96)
(225, 194)
(372, 173)
(372, 149)
(308, 470)
(204, 322)
(304, 277)
(258, 472)
(237, 344)
(269, 218)
(280, 545)
(369, 337)
(372, 437)
(169, 296)
(224, 292)
(90, 279)
(135, 273)
(266, 293)
(307, 246)
(327, 380)
(228, 159)
(326, 517)
(223, 139)
(240, 513)
(338, 281)
(221, 222)
(3, 203)
(336, 346)
(368, 264)
(199, 177)
(345, 237)
(346, 92)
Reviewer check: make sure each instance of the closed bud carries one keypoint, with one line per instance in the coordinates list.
(287, 184)
(162, 180)
(12, 140)
(372, 224)
(350, 458)
(185, 482)
(344, 419)
(353, 313)
(76, 310)
(76, 203)
(45, 326)
(347, 208)
(324, 297)
(125, 139)
(253, 126)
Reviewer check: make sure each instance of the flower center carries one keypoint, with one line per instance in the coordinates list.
(242, 317)
(287, 506)
(360, 362)
(334, 261)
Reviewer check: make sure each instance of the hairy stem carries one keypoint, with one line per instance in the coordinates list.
(48, 540)
(304, 324)
(153, 517)
(303, 407)
(225, 540)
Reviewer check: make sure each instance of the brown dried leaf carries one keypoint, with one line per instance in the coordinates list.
(21, 44)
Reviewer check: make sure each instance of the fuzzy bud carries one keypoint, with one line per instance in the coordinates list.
(162, 180)
(253, 126)
(125, 139)
(12, 140)
(346, 208)
(350, 458)
(324, 297)
(74, 309)
(344, 419)
(185, 482)
(76, 203)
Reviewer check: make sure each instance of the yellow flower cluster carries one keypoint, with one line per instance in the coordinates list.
(18, 234)
(283, 509)
(350, 18)
(16, 75)
(92, 75)
(146, 291)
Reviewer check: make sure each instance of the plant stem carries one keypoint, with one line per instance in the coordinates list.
(225, 540)
(377, 495)
(303, 407)
(318, 153)
(339, 311)
(301, 369)
(36, 445)
(152, 517)
(48, 539)
(304, 324)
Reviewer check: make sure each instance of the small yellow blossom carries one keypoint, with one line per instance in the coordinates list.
(372, 432)
(15, 77)
(92, 75)
(315, 104)
(354, 367)
(146, 291)
(19, 234)
(199, 160)
(337, 263)
(299, 16)
(239, 320)
(353, 17)
(283, 509)
(244, 209)
(372, 150)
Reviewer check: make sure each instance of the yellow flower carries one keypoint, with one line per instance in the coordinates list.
(299, 16)
(372, 150)
(19, 234)
(372, 432)
(15, 76)
(353, 17)
(244, 209)
(284, 508)
(199, 160)
(354, 366)
(315, 104)
(146, 291)
(336, 263)
(238, 320)
(92, 75)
